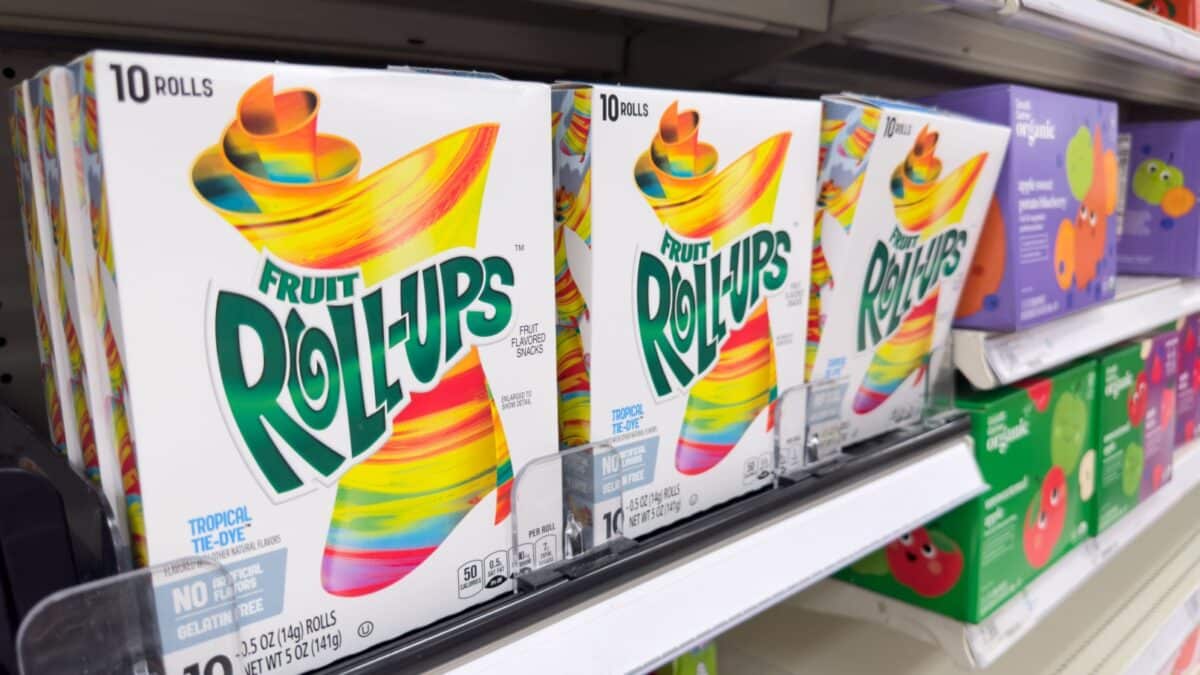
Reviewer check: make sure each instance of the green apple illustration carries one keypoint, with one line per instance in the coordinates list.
(1079, 163)
(1153, 178)
(1134, 461)
(1068, 430)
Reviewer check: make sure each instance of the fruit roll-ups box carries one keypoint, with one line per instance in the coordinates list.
(75, 257)
(1035, 446)
(682, 254)
(903, 193)
(1048, 246)
(52, 359)
(1161, 231)
(328, 290)
(1136, 426)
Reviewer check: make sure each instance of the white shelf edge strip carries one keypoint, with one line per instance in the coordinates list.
(978, 646)
(1124, 23)
(1169, 637)
(657, 617)
(991, 359)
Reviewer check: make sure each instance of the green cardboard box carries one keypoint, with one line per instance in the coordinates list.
(1034, 443)
(699, 661)
(1136, 395)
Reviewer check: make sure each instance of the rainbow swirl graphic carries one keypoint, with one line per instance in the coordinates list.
(925, 203)
(19, 135)
(678, 178)
(296, 192)
(58, 220)
(574, 385)
(579, 123)
(898, 356)
(830, 128)
(858, 142)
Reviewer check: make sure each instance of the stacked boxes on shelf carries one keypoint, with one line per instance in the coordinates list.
(1035, 446)
(1161, 230)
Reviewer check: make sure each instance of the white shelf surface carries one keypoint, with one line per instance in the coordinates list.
(638, 625)
(989, 360)
(1169, 636)
(979, 646)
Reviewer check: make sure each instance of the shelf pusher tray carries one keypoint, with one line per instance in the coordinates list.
(199, 615)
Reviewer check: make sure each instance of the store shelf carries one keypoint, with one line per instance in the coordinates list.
(672, 590)
(989, 360)
(979, 646)
(1170, 633)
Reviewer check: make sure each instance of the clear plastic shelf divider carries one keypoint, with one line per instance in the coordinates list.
(180, 617)
(809, 431)
(567, 506)
(939, 387)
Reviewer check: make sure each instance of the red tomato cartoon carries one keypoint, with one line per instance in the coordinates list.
(1045, 518)
(916, 562)
(1136, 402)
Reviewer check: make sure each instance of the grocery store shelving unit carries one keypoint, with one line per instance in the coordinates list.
(979, 646)
(989, 360)
(1101, 628)
(678, 589)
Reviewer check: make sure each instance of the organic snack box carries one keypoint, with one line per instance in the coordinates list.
(1035, 447)
(1187, 386)
(325, 289)
(1048, 242)
(1161, 231)
(1136, 428)
(903, 192)
(43, 282)
(682, 248)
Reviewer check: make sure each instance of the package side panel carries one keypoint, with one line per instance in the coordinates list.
(42, 240)
(19, 137)
(75, 242)
(108, 307)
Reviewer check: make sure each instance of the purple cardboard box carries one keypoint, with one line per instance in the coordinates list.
(1187, 388)
(1046, 248)
(1161, 233)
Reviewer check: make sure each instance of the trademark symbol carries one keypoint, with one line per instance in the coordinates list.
(519, 247)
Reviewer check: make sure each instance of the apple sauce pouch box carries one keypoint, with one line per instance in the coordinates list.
(1161, 231)
(55, 369)
(1035, 447)
(903, 193)
(1136, 430)
(326, 288)
(1049, 240)
(1187, 385)
(682, 249)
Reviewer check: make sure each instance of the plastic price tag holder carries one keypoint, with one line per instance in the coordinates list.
(809, 430)
(183, 617)
(568, 510)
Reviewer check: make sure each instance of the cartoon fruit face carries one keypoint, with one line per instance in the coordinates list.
(1045, 517)
(1064, 254)
(1068, 430)
(1135, 403)
(1131, 476)
(1087, 475)
(930, 568)
(1153, 178)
